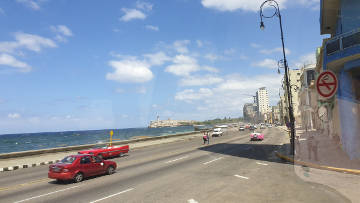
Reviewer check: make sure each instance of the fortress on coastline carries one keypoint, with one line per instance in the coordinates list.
(169, 123)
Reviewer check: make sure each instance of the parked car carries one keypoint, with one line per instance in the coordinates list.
(256, 136)
(78, 167)
(262, 126)
(269, 125)
(217, 132)
(107, 151)
(241, 128)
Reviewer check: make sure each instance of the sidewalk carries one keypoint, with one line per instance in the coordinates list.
(48, 158)
(328, 150)
(346, 184)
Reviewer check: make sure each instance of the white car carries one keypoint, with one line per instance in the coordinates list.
(217, 132)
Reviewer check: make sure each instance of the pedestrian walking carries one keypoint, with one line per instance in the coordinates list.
(205, 137)
(208, 137)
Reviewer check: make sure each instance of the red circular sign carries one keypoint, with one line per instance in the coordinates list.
(326, 84)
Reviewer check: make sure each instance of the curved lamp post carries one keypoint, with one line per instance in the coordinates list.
(275, 5)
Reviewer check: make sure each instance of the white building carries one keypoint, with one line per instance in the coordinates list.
(262, 98)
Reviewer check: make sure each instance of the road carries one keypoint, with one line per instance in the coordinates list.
(230, 169)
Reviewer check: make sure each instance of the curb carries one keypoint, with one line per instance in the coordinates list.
(12, 168)
(312, 165)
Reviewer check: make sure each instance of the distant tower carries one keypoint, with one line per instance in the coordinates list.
(157, 118)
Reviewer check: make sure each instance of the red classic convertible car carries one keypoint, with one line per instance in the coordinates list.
(107, 151)
(78, 167)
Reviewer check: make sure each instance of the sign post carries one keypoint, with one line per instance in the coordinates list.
(326, 84)
(111, 134)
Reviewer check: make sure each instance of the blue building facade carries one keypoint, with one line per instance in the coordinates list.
(341, 20)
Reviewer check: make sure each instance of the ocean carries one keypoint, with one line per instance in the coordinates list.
(45, 140)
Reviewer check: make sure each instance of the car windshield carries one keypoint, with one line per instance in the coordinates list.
(68, 160)
(184, 100)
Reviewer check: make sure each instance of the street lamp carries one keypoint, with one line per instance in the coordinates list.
(275, 5)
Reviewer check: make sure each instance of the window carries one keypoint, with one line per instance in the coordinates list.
(85, 160)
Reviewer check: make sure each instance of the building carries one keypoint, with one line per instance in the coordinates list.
(275, 114)
(262, 99)
(295, 84)
(308, 96)
(341, 54)
(250, 112)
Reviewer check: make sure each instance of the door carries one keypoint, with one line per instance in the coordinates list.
(97, 165)
(87, 166)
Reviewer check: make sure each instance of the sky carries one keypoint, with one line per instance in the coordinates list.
(91, 64)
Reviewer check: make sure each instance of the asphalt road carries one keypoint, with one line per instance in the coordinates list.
(230, 169)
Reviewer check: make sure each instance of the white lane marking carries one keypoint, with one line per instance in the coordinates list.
(262, 163)
(192, 201)
(184, 157)
(241, 176)
(302, 139)
(213, 160)
(98, 200)
(50, 193)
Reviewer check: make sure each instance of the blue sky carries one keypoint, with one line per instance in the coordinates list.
(76, 65)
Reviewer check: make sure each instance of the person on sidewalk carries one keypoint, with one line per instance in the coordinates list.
(312, 147)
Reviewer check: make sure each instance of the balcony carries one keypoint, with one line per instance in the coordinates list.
(341, 49)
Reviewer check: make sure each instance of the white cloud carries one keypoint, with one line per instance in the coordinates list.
(266, 63)
(154, 106)
(158, 58)
(306, 59)
(144, 5)
(183, 65)
(26, 41)
(182, 69)
(200, 80)
(181, 46)
(190, 95)
(8, 60)
(14, 115)
(274, 50)
(62, 29)
(130, 71)
(61, 32)
(232, 5)
(212, 57)
(152, 27)
(210, 69)
(30, 3)
(228, 97)
(131, 14)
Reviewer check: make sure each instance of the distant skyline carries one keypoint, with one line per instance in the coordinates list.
(81, 65)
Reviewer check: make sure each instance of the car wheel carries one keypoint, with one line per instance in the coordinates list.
(78, 177)
(121, 154)
(100, 156)
(110, 170)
